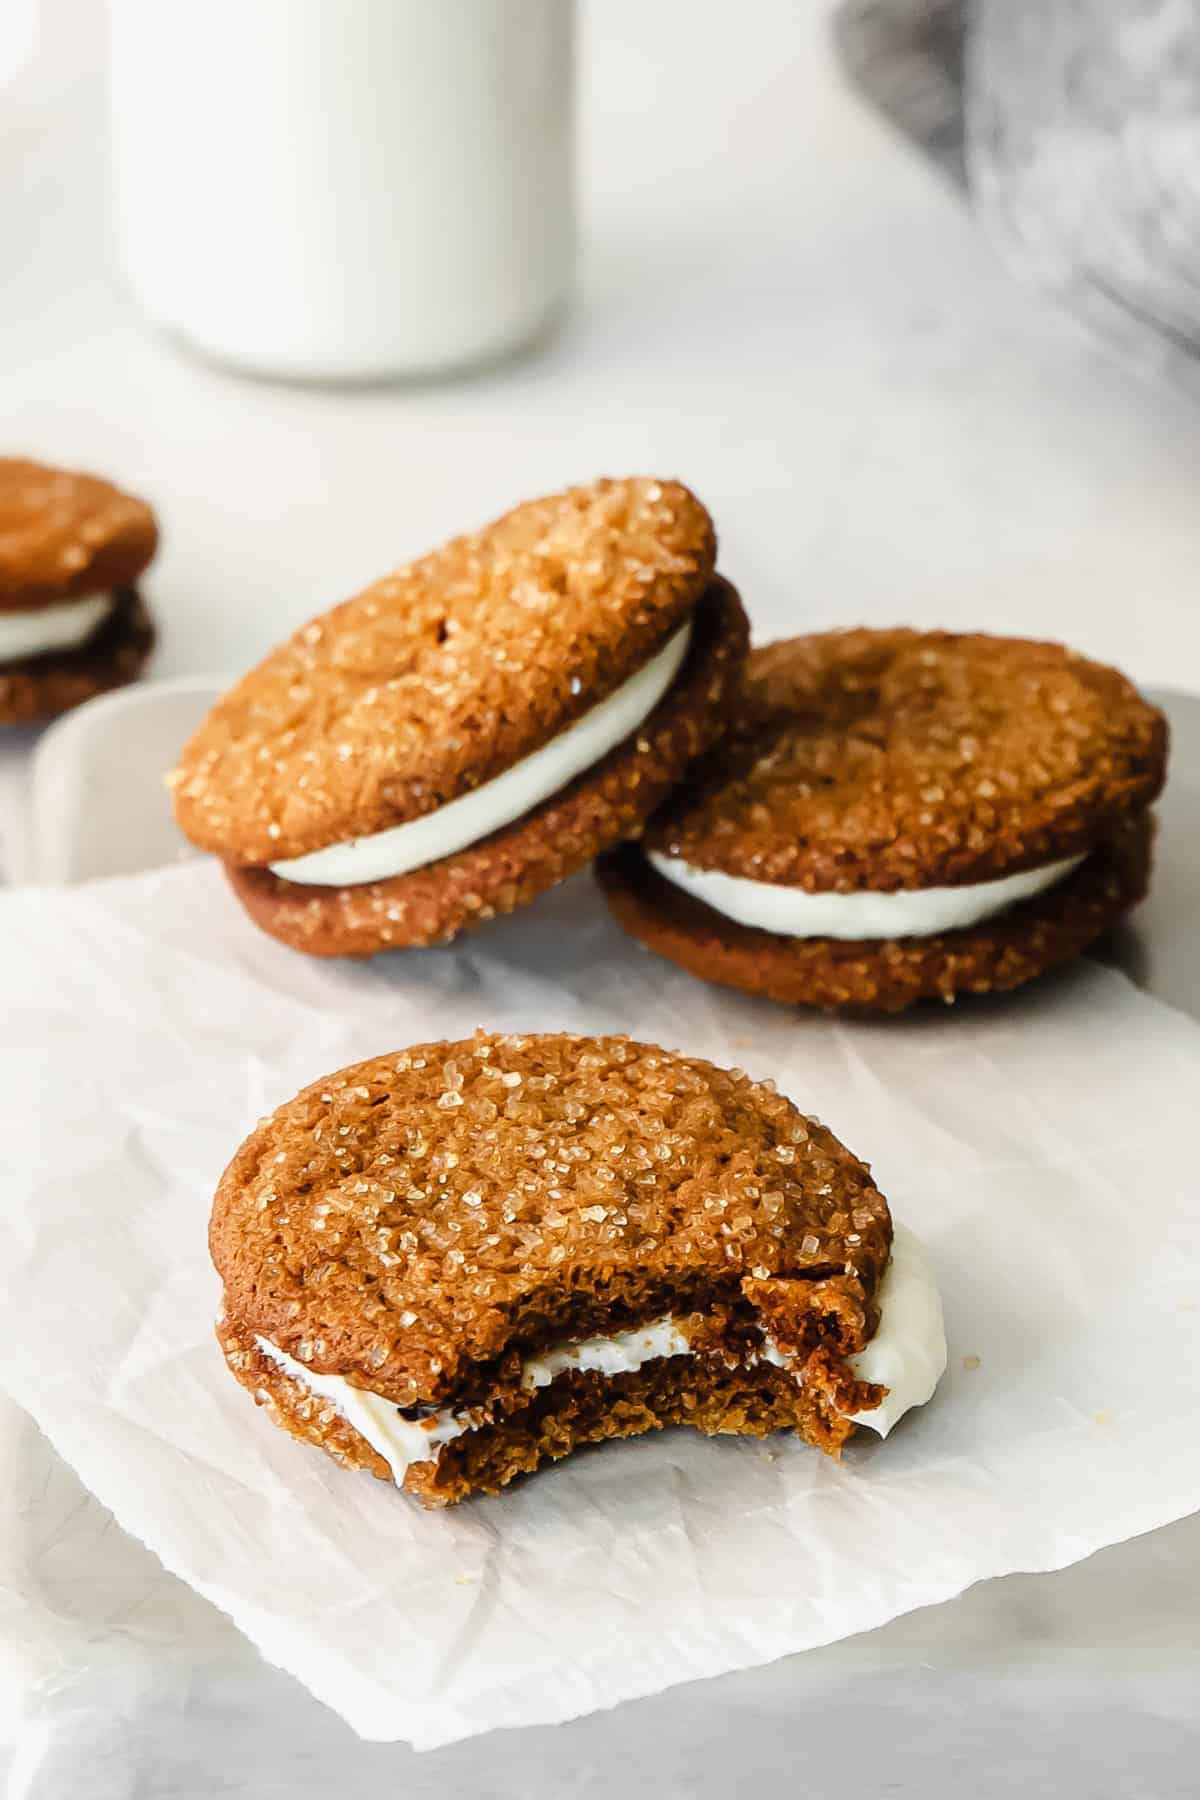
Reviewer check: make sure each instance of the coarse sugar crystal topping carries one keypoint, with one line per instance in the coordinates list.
(457, 1199)
(396, 702)
(899, 760)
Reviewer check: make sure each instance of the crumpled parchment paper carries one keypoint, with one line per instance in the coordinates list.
(1042, 1145)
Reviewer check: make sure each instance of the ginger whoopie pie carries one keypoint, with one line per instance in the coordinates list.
(72, 624)
(452, 1264)
(473, 728)
(901, 815)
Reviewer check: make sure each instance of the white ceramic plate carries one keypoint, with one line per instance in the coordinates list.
(97, 800)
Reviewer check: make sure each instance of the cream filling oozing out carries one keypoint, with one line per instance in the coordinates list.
(908, 912)
(461, 822)
(44, 629)
(907, 1355)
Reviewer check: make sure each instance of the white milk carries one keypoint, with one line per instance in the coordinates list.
(344, 189)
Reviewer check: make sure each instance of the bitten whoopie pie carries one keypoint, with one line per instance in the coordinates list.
(473, 728)
(451, 1264)
(72, 623)
(901, 815)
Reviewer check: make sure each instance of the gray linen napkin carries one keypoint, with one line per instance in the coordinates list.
(1075, 126)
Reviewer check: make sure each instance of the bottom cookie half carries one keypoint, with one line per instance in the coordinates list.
(612, 801)
(542, 848)
(578, 1408)
(41, 687)
(884, 975)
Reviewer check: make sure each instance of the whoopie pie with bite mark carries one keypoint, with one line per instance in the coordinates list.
(452, 1264)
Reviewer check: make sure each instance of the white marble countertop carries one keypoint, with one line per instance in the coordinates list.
(780, 303)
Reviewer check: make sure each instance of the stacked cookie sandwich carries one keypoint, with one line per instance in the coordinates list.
(452, 1264)
(473, 728)
(72, 623)
(901, 815)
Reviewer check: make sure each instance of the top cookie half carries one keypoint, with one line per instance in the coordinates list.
(892, 760)
(406, 1222)
(440, 677)
(64, 534)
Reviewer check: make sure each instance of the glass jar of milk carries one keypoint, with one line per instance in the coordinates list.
(344, 190)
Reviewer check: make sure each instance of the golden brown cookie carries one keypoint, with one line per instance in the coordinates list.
(445, 673)
(63, 535)
(512, 866)
(918, 769)
(72, 624)
(449, 1264)
(473, 729)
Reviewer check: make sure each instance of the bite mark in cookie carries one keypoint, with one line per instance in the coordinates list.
(452, 1264)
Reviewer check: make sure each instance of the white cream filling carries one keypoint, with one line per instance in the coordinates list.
(907, 1355)
(47, 628)
(909, 912)
(402, 1442)
(473, 816)
(616, 1355)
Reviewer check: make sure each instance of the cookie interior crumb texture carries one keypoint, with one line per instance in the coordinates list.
(489, 1252)
(868, 772)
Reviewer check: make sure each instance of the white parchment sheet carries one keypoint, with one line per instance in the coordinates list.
(1044, 1146)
